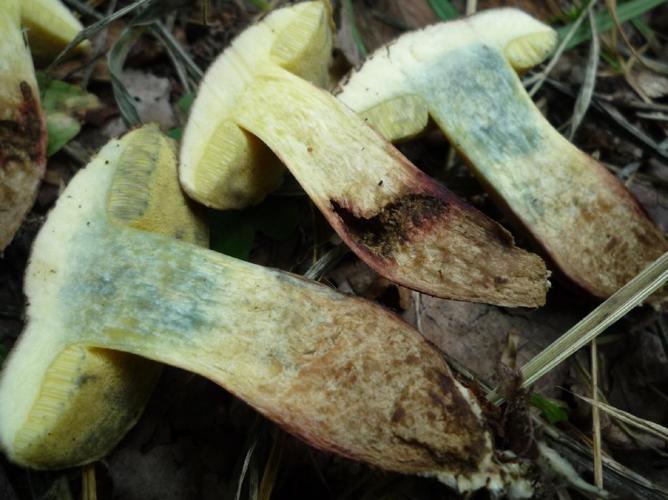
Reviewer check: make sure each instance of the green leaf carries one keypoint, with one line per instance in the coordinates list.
(231, 234)
(260, 4)
(604, 22)
(233, 231)
(444, 9)
(185, 102)
(175, 133)
(64, 105)
(553, 410)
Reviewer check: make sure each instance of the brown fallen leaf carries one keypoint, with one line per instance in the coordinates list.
(476, 334)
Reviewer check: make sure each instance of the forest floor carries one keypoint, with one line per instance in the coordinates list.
(197, 441)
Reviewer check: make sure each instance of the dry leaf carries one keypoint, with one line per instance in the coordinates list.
(476, 334)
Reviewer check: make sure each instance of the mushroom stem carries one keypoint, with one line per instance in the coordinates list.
(547, 183)
(402, 223)
(315, 361)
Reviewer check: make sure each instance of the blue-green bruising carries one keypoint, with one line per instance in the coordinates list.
(479, 102)
(137, 282)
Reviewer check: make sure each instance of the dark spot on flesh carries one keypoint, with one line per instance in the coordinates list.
(500, 280)
(412, 359)
(393, 225)
(84, 379)
(500, 235)
(398, 414)
(21, 139)
(309, 149)
(380, 183)
(612, 243)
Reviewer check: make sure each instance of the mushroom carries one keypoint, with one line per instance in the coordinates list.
(22, 127)
(100, 393)
(50, 27)
(402, 223)
(461, 74)
(342, 373)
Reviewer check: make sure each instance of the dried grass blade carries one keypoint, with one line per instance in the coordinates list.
(639, 423)
(587, 90)
(349, 12)
(596, 419)
(563, 44)
(94, 28)
(625, 299)
(88, 482)
(116, 60)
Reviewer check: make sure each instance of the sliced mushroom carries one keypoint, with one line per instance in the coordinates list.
(341, 373)
(461, 74)
(91, 397)
(398, 220)
(22, 127)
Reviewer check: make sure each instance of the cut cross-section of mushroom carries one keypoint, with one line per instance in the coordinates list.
(342, 373)
(401, 222)
(90, 397)
(222, 166)
(22, 127)
(462, 74)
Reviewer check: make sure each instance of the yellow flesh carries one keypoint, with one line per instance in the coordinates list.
(50, 26)
(100, 393)
(317, 362)
(221, 166)
(453, 251)
(587, 222)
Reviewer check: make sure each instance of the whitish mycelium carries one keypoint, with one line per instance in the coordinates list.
(462, 74)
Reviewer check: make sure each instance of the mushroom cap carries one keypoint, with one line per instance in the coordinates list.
(63, 405)
(22, 127)
(50, 26)
(223, 166)
(396, 108)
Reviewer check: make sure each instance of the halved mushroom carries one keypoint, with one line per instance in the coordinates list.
(401, 222)
(341, 373)
(222, 165)
(99, 393)
(50, 26)
(461, 73)
(22, 127)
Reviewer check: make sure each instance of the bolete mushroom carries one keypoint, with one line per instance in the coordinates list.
(461, 74)
(339, 372)
(402, 223)
(50, 26)
(83, 400)
(22, 127)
